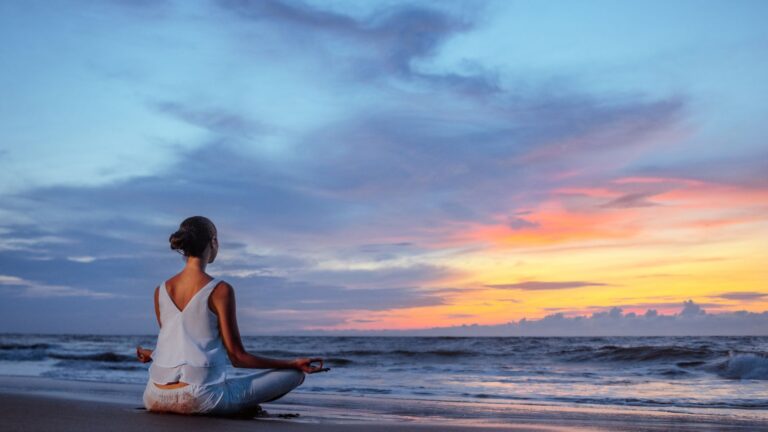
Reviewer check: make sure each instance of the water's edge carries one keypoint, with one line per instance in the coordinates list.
(724, 375)
(320, 408)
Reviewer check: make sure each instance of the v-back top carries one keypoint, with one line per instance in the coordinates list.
(189, 346)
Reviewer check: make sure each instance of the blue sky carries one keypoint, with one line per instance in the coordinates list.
(383, 165)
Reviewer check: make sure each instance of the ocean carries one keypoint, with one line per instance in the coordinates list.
(717, 374)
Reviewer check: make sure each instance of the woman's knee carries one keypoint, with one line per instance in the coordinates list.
(290, 378)
(265, 387)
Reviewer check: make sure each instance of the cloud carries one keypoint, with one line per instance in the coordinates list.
(540, 285)
(388, 169)
(631, 200)
(415, 274)
(27, 288)
(28, 243)
(690, 321)
(742, 295)
(409, 167)
(689, 308)
(745, 170)
(269, 284)
(272, 293)
(96, 240)
(82, 259)
(193, 185)
(218, 121)
(518, 223)
(280, 321)
(383, 251)
(385, 43)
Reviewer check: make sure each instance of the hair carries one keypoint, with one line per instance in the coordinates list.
(193, 236)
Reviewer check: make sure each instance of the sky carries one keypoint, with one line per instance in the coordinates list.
(467, 166)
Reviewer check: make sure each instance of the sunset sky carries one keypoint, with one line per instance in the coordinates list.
(383, 165)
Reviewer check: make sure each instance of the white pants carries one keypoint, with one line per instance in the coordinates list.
(234, 395)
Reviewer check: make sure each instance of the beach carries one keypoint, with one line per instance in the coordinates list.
(418, 383)
(40, 413)
(45, 404)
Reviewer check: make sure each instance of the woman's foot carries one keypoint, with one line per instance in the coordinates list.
(249, 413)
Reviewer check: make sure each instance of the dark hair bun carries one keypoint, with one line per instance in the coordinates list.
(182, 239)
(193, 236)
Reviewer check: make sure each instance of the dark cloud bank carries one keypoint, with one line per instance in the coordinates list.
(692, 320)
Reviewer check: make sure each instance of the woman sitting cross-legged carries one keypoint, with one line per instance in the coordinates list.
(199, 336)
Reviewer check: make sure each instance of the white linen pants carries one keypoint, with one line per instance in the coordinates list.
(234, 395)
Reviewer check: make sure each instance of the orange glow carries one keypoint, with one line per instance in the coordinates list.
(555, 225)
(695, 240)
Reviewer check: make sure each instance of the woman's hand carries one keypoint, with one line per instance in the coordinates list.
(303, 364)
(143, 354)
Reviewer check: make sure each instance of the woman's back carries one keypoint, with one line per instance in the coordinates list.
(189, 344)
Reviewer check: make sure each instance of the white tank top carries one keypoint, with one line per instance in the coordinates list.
(189, 346)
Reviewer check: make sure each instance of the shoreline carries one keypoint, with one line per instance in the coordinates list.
(27, 412)
(37, 403)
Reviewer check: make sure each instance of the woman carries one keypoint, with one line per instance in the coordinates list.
(199, 337)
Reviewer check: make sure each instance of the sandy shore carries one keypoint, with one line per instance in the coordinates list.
(22, 412)
(43, 404)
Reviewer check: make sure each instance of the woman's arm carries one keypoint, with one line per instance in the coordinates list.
(157, 306)
(145, 355)
(223, 302)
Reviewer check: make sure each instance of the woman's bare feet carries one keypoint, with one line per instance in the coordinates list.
(250, 413)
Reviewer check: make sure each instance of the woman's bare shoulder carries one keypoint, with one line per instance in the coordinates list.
(222, 290)
(222, 298)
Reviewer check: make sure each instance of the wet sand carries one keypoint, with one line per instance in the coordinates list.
(43, 404)
(22, 412)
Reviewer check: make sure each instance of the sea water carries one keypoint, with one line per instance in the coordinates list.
(728, 373)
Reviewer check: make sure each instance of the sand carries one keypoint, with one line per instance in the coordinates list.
(21, 412)
(43, 404)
